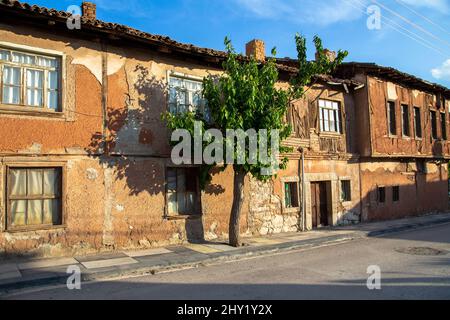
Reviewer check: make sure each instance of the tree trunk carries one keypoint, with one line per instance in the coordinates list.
(238, 200)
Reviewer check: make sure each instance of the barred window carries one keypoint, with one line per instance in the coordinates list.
(330, 116)
(34, 197)
(30, 80)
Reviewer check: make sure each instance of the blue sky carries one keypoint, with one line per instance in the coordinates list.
(414, 35)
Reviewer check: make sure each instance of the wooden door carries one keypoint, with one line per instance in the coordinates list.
(319, 207)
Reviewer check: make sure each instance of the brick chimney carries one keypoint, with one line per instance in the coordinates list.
(89, 10)
(331, 55)
(257, 49)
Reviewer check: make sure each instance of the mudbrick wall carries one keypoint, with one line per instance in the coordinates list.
(114, 176)
(422, 188)
(384, 144)
(114, 171)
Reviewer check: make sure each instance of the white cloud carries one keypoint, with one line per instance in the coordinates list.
(439, 5)
(320, 12)
(442, 72)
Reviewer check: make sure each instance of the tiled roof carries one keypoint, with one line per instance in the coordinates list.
(392, 74)
(96, 25)
(347, 70)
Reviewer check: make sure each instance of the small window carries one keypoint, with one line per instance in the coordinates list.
(392, 126)
(405, 120)
(185, 95)
(30, 80)
(396, 193)
(433, 125)
(381, 195)
(345, 190)
(417, 123)
(330, 116)
(291, 195)
(181, 191)
(443, 126)
(34, 197)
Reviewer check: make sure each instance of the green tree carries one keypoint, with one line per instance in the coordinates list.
(246, 97)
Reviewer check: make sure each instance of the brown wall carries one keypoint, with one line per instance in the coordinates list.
(420, 192)
(380, 92)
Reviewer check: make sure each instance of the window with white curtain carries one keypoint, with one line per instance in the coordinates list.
(34, 197)
(185, 95)
(330, 116)
(30, 80)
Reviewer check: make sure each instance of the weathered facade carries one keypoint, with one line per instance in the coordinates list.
(85, 161)
(402, 141)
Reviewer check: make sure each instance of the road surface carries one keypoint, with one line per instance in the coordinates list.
(413, 265)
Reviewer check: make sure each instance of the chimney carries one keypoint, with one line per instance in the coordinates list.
(257, 49)
(89, 10)
(331, 55)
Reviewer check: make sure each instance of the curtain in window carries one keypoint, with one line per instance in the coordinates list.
(35, 81)
(23, 58)
(4, 55)
(18, 180)
(185, 95)
(35, 196)
(52, 90)
(11, 85)
(18, 211)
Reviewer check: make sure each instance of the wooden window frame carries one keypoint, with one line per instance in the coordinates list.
(188, 77)
(443, 123)
(7, 185)
(388, 118)
(434, 137)
(378, 195)
(420, 123)
(22, 107)
(198, 199)
(394, 199)
(406, 135)
(341, 189)
(295, 184)
(339, 117)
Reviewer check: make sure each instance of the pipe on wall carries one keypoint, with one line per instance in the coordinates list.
(301, 168)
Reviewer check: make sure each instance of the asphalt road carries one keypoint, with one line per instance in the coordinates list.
(333, 272)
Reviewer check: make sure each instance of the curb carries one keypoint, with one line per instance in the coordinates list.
(408, 227)
(235, 255)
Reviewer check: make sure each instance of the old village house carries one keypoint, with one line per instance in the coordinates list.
(85, 161)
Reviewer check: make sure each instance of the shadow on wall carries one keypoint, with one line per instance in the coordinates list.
(135, 143)
(130, 133)
(388, 200)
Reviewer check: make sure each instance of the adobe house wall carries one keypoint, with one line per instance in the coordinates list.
(380, 92)
(115, 201)
(333, 171)
(420, 191)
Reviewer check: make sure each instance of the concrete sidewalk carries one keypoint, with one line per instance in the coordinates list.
(17, 274)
